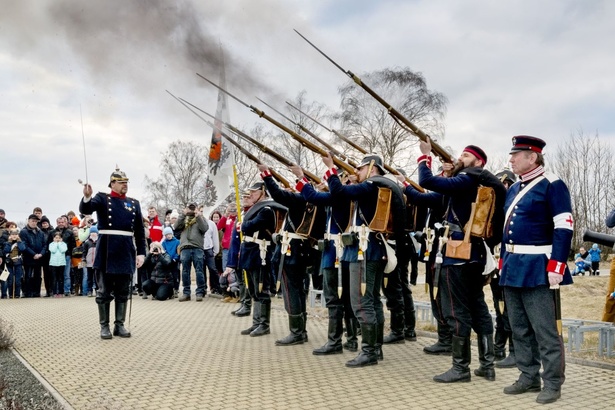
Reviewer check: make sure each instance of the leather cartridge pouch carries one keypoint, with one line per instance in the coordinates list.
(461, 249)
(382, 221)
(322, 244)
(305, 227)
(485, 207)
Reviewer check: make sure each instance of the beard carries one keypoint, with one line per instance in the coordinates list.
(459, 166)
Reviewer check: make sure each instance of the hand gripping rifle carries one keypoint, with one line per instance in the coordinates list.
(241, 149)
(259, 145)
(360, 149)
(397, 116)
(312, 147)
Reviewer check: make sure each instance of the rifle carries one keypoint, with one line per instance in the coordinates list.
(397, 116)
(241, 149)
(360, 149)
(316, 137)
(312, 147)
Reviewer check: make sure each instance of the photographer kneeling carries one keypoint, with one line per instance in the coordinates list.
(159, 267)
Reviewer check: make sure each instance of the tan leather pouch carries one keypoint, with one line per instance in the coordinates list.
(458, 249)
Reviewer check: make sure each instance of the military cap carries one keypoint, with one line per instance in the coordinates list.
(117, 176)
(527, 143)
(477, 152)
(506, 174)
(377, 162)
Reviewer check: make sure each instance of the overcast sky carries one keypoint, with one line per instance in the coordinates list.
(512, 67)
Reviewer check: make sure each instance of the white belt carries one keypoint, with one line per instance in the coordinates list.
(360, 229)
(115, 232)
(259, 241)
(332, 237)
(292, 235)
(529, 249)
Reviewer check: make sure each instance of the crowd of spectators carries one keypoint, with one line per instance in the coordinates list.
(42, 260)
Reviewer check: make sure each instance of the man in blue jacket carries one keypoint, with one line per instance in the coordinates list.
(535, 248)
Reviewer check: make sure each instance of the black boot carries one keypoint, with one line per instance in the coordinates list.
(120, 317)
(246, 303)
(265, 316)
(379, 339)
(485, 357)
(397, 329)
(304, 330)
(103, 318)
(334, 336)
(499, 344)
(443, 345)
(410, 319)
(511, 360)
(295, 324)
(460, 372)
(255, 319)
(352, 344)
(368, 355)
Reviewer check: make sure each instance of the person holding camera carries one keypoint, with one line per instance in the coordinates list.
(14, 248)
(193, 227)
(120, 248)
(159, 267)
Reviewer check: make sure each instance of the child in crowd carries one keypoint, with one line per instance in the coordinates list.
(170, 244)
(230, 286)
(13, 249)
(57, 262)
(89, 254)
(594, 255)
(75, 262)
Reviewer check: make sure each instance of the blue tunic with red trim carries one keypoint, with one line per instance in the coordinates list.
(542, 217)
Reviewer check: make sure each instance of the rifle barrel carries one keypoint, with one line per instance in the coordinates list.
(316, 137)
(241, 149)
(435, 147)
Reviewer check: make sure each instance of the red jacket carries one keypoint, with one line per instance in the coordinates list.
(226, 224)
(155, 229)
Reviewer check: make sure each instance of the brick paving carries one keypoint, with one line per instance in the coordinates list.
(190, 355)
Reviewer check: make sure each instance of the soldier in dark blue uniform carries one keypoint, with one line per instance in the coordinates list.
(461, 280)
(535, 249)
(303, 226)
(120, 227)
(257, 226)
(366, 250)
(334, 270)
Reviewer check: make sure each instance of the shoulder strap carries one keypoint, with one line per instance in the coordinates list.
(521, 194)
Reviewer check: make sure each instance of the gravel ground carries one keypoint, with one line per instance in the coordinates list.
(19, 389)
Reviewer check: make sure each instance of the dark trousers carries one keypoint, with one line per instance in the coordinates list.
(436, 302)
(31, 283)
(258, 275)
(112, 286)
(330, 284)
(531, 312)
(209, 260)
(57, 279)
(160, 291)
(293, 279)
(463, 300)
(47, 280)
(502, 325)
(12, 286)
(368, 307)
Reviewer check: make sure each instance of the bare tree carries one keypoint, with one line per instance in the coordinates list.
(183, 176)
(368, 123)
(585, 163)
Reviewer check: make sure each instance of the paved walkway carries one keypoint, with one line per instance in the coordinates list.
(191, 356)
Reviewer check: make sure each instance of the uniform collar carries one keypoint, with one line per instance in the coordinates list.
(116, 195)
(539, 170)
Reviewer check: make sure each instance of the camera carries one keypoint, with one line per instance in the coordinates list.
(192, 207)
